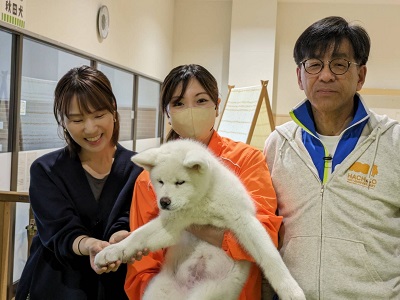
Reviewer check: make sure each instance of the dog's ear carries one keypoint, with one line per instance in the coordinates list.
(196, 159)
(146, 159)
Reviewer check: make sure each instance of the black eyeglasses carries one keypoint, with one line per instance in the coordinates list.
(338, 66)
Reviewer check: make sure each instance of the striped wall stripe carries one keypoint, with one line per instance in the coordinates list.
(12, 20)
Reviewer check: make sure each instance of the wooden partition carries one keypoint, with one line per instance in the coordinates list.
(247, 115)
(382, 101)
(368, 91)
(8, 201)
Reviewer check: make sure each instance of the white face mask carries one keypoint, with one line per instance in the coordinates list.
(196, 123)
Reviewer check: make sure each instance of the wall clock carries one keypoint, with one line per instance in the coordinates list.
(103, 21)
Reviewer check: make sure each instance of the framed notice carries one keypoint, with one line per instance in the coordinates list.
(247, 115)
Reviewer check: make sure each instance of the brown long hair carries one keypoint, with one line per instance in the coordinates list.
(92, 90)
(182, 75)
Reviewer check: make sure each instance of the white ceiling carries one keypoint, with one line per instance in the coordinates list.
(361, 2)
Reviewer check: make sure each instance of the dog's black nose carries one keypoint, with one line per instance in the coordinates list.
(165, 202)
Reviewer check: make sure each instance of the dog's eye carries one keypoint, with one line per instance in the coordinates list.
(180, 182)
(161, 182)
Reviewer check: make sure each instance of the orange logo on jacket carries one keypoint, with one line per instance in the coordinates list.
(364, 168)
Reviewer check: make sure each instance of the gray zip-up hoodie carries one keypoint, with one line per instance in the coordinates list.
(340, 239)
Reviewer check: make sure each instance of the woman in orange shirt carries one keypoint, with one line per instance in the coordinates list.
(190, 100)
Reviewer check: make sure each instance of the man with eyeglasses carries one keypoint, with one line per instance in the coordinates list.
(336, 172)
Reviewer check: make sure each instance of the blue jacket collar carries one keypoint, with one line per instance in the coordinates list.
(302, 115)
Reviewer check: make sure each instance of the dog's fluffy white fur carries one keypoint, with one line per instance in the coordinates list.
(194, 187)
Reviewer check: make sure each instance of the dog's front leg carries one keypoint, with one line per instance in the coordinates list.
(255, 239)
(154, 235)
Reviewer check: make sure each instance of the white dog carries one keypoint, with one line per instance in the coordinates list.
(194, 187)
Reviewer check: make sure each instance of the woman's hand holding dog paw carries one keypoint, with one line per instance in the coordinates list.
(94, 246)
(138, 255)
(119, 236)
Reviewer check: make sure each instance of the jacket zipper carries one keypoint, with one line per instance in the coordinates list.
(321, 242)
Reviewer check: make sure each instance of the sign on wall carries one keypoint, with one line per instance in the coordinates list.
(13, 12)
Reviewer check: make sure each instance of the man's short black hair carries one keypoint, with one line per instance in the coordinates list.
(330, 32)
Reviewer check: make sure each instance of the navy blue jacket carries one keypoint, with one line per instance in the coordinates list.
(65, 208)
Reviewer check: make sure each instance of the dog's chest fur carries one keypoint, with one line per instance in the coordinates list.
(194, 260)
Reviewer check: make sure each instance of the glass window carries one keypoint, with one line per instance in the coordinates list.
(42, 67)
(148, 115)
(122, 84)
(5, 71)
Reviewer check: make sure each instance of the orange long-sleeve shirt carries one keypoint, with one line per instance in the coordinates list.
(250, 166)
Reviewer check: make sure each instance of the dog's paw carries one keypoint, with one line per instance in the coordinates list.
(288, 289)
(293, 292)
(108, 255)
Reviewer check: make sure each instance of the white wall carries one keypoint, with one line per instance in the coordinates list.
(382, 23)
(140, 36)
(234, 40)
(252, 50)
(202, 28)
(202, 36)
(152, 36)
